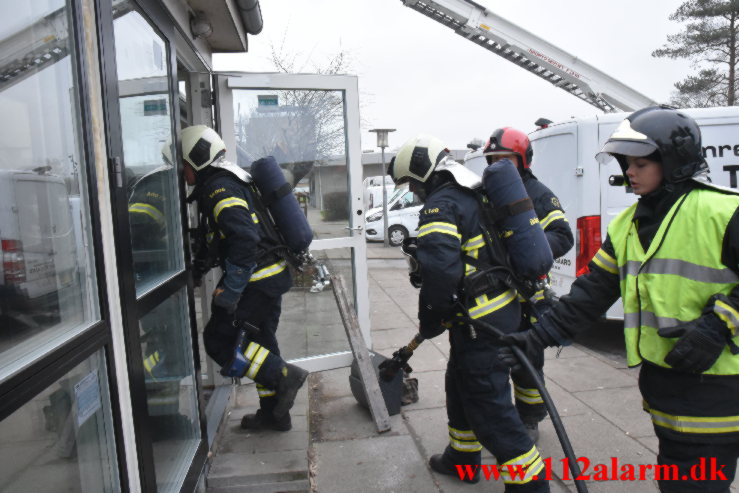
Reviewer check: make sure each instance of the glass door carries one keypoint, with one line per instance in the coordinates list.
(155, 295)
(310, 124)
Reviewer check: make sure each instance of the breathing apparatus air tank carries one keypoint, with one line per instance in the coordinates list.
(277, 195)
(514, 214)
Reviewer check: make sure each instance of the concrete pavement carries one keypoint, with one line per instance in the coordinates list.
(334, 447)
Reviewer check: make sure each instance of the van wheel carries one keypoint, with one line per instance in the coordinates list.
(396, 235)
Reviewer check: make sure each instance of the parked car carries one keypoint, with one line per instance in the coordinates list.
(373, 191)
(37, 245)
(403, 210)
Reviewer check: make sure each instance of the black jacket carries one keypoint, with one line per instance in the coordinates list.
(226, 201)
(456, 212)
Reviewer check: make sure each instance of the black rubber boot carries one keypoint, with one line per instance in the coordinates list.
(441, 464)
(263, 420)
(292, 379)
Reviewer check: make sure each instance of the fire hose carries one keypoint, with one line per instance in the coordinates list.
(389, 368)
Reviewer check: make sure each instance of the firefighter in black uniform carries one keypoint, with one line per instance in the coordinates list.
(252, 285)
(673, 257)
(479, 408)
(513, 144)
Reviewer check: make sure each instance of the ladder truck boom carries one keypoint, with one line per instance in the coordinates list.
(474, 22)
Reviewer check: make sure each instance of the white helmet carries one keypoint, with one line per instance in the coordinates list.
(201, 146)
(417, 159)
(421, 156)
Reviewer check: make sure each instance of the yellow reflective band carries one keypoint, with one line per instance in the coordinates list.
(469, 269)
(269, 271)
(522, 469)
(229, 202)
(254, 218)
(605, 262)
(553, 216)
(263, 391)
(538, 296)
(693, 424)
(462, 434)
(439, 227)
(256, 363)
(251, 350)
(461, 446)
(151, 361)
(463, 440)
(528, 396)
(149, 210)
(728, 314)
(495, 304)
(474, 243)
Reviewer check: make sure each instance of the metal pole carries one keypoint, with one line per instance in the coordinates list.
(386, 242)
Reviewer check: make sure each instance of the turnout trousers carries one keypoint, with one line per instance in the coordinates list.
(479, 407)
(261, 310)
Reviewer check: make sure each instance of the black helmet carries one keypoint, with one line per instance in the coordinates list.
(672, 135)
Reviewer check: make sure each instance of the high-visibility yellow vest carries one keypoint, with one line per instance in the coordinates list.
(672, 281)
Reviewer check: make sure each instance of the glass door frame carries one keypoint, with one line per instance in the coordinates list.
(132, 307)
(348, 85)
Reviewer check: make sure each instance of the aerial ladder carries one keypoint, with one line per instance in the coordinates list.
(476, 23)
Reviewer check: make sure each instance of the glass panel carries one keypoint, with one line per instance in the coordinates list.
(62, 439)
(48, 288)
(170, 389)
(147, 129)
(310, 324)
(305, 131)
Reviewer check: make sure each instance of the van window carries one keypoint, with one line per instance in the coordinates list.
(48, 289)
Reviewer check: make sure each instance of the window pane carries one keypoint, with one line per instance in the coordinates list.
(146, 127)
(305, 132)
(170, 390)
(62, 440)
(47, 282)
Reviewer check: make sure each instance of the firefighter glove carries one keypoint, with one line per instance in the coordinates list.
(236, 278)
(532, 342)
(699, 345)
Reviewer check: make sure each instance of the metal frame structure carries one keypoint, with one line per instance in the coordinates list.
(530, 52)
(348, 85)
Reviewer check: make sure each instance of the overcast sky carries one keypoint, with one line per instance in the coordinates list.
(418, 76)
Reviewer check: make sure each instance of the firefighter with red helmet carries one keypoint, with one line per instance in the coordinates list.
(514, 144)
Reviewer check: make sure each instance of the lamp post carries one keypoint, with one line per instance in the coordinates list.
(382, 144)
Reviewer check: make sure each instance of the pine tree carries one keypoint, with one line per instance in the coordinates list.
(709, 40)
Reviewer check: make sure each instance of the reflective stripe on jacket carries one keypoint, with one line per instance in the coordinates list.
(671, 282)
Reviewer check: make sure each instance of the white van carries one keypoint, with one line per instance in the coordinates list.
(373, 191)
(564, 160)
(37, 244)
(404, 208)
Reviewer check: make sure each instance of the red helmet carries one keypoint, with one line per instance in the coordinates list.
(508, 140)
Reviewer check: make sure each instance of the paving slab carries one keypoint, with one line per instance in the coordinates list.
(431, 393)
(594, 438)
(387, 464)
(585, 373)
(622, 407)
(235, 469)
(344, 419)
(388, 341)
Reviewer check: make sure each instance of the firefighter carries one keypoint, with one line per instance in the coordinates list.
(674, 259)
(479, 409)
(513, 144)
(252, 285)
